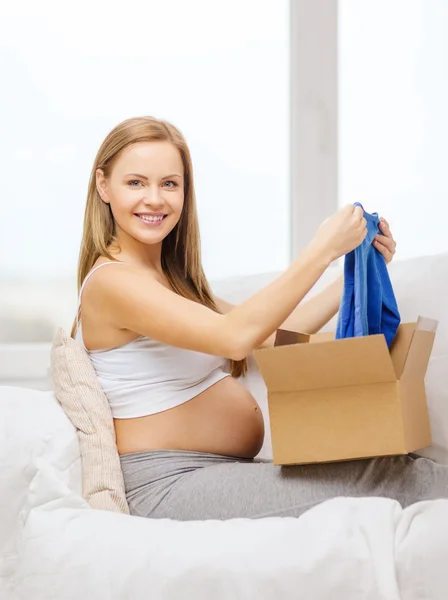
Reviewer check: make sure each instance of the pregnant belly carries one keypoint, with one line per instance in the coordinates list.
(223, 419)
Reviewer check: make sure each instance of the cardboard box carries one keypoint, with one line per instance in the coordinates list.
(332, 400)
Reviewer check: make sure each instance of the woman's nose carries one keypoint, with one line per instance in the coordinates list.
(153, 196)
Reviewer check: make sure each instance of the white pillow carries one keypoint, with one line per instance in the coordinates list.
(35, 434)
(77, 388)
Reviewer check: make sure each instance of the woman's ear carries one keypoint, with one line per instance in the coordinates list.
(101, 185)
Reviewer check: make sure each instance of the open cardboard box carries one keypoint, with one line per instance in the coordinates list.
(332, 400)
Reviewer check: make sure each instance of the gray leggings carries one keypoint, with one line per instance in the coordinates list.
(186, 485)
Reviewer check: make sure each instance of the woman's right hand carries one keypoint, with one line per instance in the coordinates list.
(342, 232)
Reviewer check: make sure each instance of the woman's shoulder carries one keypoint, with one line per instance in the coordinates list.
(128, 265)
(102, 269)
(110, 278)
(100, 288)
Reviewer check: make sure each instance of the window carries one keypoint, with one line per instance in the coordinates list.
(219, 71)
(393, 123)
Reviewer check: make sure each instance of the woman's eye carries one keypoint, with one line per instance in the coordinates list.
(137, 183)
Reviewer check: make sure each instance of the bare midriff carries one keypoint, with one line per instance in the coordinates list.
(223, 419)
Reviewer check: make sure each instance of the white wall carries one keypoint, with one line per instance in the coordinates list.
(218, 70)
(393, 120)
(25, 365)
(314, 117)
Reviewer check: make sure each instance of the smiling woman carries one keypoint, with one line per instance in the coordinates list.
(169, 361)
(141, 215)
(143, 192)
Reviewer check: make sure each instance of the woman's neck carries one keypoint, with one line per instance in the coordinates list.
(133, 251)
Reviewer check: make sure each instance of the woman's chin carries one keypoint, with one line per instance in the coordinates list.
(149, 237)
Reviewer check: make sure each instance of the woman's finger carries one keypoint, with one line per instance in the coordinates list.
(387, 254)
(384, 249)
(384, 227)
(387, 241)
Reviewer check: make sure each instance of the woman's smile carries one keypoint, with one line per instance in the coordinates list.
(151, 219)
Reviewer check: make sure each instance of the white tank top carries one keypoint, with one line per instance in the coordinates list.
(145, 376)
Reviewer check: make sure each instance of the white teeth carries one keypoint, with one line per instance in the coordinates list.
(152, 219)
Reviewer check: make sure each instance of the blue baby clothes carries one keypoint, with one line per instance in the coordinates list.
(368, 305)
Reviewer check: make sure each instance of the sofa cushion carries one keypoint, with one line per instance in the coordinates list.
(77, 388)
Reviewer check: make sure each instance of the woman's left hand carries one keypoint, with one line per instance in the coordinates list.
(385, 243)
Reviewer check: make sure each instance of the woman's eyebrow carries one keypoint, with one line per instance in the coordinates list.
(144, 177)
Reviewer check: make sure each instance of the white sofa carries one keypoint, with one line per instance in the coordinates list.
(52, 545)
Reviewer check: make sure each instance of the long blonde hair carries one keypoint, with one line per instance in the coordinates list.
(181, 253)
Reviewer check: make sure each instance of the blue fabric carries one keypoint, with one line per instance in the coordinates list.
(368, 305)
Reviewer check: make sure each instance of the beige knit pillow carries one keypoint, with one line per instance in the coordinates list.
(77, 388)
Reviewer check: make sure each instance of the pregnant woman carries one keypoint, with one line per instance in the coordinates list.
(168, 353)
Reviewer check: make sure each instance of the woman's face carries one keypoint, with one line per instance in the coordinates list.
(145, 190)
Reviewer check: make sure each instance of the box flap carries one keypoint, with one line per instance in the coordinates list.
(353, 361)
(412, 346)
(400, 346)
(403, 340)
(325, 336)
(418, 356)
(284, 337)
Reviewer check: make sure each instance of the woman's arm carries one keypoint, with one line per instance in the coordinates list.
(131, 298)
(309, 316)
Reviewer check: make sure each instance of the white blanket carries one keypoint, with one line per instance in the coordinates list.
(53, 546)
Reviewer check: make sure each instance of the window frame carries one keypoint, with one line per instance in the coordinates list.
(314, 117)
